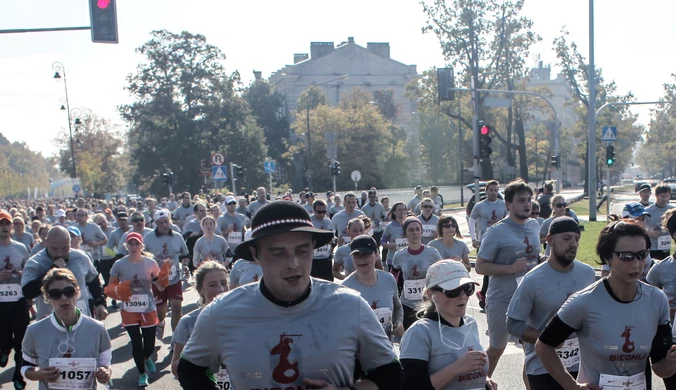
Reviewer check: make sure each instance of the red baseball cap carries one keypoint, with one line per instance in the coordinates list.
(134, 236)
(5, 215)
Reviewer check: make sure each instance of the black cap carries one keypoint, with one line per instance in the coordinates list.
(122, 214)
(563, 225)
(418, 187)
(644, 187)
(363, 244)
(309, 194)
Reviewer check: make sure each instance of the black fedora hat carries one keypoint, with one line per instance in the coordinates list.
(281, 217)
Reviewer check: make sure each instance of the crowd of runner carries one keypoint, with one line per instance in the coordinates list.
(310, 293)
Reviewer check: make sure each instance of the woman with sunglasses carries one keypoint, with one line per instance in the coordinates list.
(68, 349)
(442, 350)
(393, 235)
(130, 283)
(342, 258)
(632, 211)
(450, 244)
(620, 321)
(376, 286)
(211, 280)
(410, 265)
(663, 276)
(210, 246)
(428, 220)
(535, 212)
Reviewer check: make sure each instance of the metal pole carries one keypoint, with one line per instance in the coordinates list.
(309, 142)
(591, 142)
(58, 66)
(232, 176)
(462, 168)
(608, 193)
(557, 150)
(270, 177)
(28, 30)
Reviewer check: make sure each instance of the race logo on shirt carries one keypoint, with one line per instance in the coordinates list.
(529, 247)
(165, 250)
(285, 372)
(374, 305)
(135, 280)
(8, 263)
(414, 271)
(628, 345)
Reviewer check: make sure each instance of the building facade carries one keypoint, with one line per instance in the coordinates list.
(337, 69)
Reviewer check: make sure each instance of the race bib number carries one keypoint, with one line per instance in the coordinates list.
(223, 379)
(173, 271)
(634, 382)
(384, 315)
(10, 292)
(664, 243)
(436, 208)
(569, 352)
(401, 243)
(322, 252)
(346, 240)
(138, 303)
(429, 231)
(76, 373)
(235, 238)
(413, 289)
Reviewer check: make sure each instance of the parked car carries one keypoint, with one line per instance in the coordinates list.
(671, 182)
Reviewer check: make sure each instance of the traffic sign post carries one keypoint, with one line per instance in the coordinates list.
(217, 158)
(269, 168)
(609, 134)
(219, 173)
(356, 176)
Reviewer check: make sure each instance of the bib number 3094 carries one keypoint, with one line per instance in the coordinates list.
(76, 373)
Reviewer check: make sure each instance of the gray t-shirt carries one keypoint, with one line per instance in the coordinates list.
(78, 263)
(115, 241)
(340, 220)
(121, 250)
(205, 249)
(26, 239)
(14, 257)
(141, 276)
(255, 206)
(654, 222)
(181, 213)
(414, 267)
(504, 243)
(423, 341)
(333, 210)
(185, 326)
(91, 232)
(615, 337)
(312, 339)
(376, 213)
(536, 300)
(393, 231)
(342, 257)
(167, 247)
(37, 248)
(383, 297)
(459, 249)
(663, 276)
(413, 203)
(245, 272)
(429, 228)
(238, 221)
(46, 339)
(194, 226)
(488, 214)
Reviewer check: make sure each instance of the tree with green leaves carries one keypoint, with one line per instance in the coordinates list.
(185, 108)
(655, 155)
(22, 168)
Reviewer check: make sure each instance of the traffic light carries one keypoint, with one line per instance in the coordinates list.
(103, 17)
(610, 155)
(166, 179)
(445, 84)
(555, 161)
(485, 140)
(239, 171)
(337, 167)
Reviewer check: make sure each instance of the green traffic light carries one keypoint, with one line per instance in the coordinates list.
(610, 161)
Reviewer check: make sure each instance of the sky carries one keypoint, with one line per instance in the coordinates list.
(633, 46)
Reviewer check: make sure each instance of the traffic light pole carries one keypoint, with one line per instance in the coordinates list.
(333, 164)
(232, 177)
(608, 193)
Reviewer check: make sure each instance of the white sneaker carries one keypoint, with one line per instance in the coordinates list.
(159, 330)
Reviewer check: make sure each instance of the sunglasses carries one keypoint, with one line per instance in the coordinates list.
(56, 294)
(535, 212)
(449, 225)
(80, 215)
(137, 219)
(629, 256)
(320, 211)
(467, 288)
(231, 203)
(561, 204)
(428, 207)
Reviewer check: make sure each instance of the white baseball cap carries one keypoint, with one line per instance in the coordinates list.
(229, 199)
(60, 213)
(161, 214)
(447, 275)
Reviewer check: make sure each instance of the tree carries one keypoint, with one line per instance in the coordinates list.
(22, 169)
(362, 141)
(655, 155)
(186, 108)
(488, 41)
(266, 107)
(99, 155)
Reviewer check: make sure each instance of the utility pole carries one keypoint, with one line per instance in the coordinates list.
(591, 141)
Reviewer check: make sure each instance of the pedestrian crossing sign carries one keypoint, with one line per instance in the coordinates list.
(609, 134)
(219, 173)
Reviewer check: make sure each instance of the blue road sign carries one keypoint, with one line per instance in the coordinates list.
(219, 173)
(609, 134)
(269, 166)
(76, 188)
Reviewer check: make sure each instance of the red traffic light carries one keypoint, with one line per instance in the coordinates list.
(103, 4)
(485, 130)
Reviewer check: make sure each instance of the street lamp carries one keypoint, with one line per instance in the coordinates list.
(307, 119)
(59, 73)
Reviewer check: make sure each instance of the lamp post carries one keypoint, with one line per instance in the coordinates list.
(59, 73)
(307, 119)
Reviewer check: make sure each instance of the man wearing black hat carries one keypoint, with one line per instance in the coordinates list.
(288, 330)
(530, 310)
(644, 192)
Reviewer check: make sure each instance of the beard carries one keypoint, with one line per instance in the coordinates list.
(564, 257)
